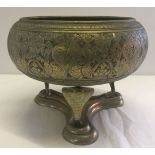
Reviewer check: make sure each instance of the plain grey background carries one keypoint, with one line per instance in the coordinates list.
(8, 16)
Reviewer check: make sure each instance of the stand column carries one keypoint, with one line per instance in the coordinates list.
(79, 130)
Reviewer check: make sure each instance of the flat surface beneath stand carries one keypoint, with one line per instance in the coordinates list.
(25, 124)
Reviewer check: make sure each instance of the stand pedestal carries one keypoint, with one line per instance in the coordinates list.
(79, 107)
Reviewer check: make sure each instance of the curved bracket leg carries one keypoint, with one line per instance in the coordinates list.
(79, 107)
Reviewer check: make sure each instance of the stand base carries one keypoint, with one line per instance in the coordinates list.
(79, 128)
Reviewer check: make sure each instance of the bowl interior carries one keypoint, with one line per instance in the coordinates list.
(77, 18)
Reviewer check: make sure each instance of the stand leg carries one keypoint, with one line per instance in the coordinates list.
(112, 85)
(47, 89)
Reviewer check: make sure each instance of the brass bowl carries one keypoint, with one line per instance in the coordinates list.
(77, 51)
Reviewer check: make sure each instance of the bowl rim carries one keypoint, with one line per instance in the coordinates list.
(79, 19)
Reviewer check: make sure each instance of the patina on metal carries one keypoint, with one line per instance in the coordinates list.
(79, 107)
(78, 51)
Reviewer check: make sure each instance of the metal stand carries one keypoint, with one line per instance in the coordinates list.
(79, 107)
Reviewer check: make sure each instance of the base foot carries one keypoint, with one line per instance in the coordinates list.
(80, 135)
(79, 129)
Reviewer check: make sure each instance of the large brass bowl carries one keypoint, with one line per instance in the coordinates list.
(77, 51)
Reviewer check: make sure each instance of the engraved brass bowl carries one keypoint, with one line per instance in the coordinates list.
(78, 51)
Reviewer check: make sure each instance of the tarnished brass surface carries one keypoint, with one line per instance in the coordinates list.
(79, 128)
(77, 97)
(77, 51)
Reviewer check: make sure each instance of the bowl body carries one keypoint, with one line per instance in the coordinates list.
(77, 50)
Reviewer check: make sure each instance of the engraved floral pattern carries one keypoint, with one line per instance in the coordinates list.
(77, 56)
